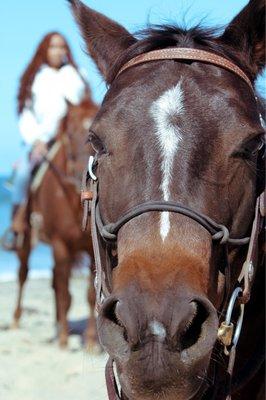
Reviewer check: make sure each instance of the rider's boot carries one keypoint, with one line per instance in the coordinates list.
(13, 238)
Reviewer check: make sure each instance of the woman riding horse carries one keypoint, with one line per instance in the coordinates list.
(50, 82)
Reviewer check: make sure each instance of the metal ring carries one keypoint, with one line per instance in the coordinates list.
(263, 124)
(90, 168)
(231, 305)
(239, 325)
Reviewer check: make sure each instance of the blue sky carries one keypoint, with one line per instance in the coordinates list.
(24, 22)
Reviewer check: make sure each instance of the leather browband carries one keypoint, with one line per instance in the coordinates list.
(180, 53)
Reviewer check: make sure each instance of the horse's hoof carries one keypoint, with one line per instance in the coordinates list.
(14, 325)
(63, 342)
(93, 348)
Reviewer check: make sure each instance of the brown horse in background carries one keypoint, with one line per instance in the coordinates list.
(179, 145)
(57, 208)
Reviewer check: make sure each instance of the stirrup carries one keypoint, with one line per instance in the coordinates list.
(12, 241)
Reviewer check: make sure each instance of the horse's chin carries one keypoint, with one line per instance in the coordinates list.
(166, 394)
(142, 378)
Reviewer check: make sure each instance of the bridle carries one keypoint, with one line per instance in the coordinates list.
(104, 236)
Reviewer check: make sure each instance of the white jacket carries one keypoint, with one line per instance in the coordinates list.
(51, 89)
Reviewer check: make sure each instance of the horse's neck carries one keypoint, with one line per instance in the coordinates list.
(62, 161)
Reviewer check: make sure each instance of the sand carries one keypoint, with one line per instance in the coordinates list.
(34, 368)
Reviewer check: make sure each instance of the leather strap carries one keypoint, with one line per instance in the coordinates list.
(86, 195)
(217, 231)
(262, 204)
(180, 53)
(248, 271)
(112, 389)
(99, 279)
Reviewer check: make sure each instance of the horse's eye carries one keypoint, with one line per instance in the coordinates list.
(251, 148)
(97, 144)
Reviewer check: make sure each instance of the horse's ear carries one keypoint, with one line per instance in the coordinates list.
(246, 32)
(105, 39)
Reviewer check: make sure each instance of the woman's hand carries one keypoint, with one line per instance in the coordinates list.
(39, 150)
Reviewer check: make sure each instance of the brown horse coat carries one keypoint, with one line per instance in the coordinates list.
(188, 132)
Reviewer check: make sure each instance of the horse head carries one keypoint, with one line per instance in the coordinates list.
(74, 130)
(187, 132)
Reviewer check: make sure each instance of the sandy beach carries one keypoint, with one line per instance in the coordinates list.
(32, 367)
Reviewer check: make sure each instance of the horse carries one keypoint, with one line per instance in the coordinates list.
(54, 211)
(177, 192)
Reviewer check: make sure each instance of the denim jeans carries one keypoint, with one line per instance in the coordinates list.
(21, 180)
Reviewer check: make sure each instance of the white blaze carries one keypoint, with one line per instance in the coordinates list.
(167, 106)
(157, 329)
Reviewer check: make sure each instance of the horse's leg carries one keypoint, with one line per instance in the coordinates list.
(23, 255)
(92, 343)
(62, 271)
(55, 294)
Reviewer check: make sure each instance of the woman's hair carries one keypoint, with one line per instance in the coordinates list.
(39, 58)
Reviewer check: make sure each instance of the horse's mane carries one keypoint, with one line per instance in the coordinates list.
(39, 58)
(162, 36)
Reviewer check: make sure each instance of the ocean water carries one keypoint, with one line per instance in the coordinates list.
(40, 262)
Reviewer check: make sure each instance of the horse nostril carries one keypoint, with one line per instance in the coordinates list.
(109, 312)
(194, 326)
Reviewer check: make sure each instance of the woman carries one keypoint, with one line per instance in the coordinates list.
(50, 81)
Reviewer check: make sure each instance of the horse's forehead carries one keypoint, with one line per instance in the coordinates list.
(129, 103)
(205, 92)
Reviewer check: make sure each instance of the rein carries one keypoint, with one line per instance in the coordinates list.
(67, 177)
(104, 236)
(61, 177)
